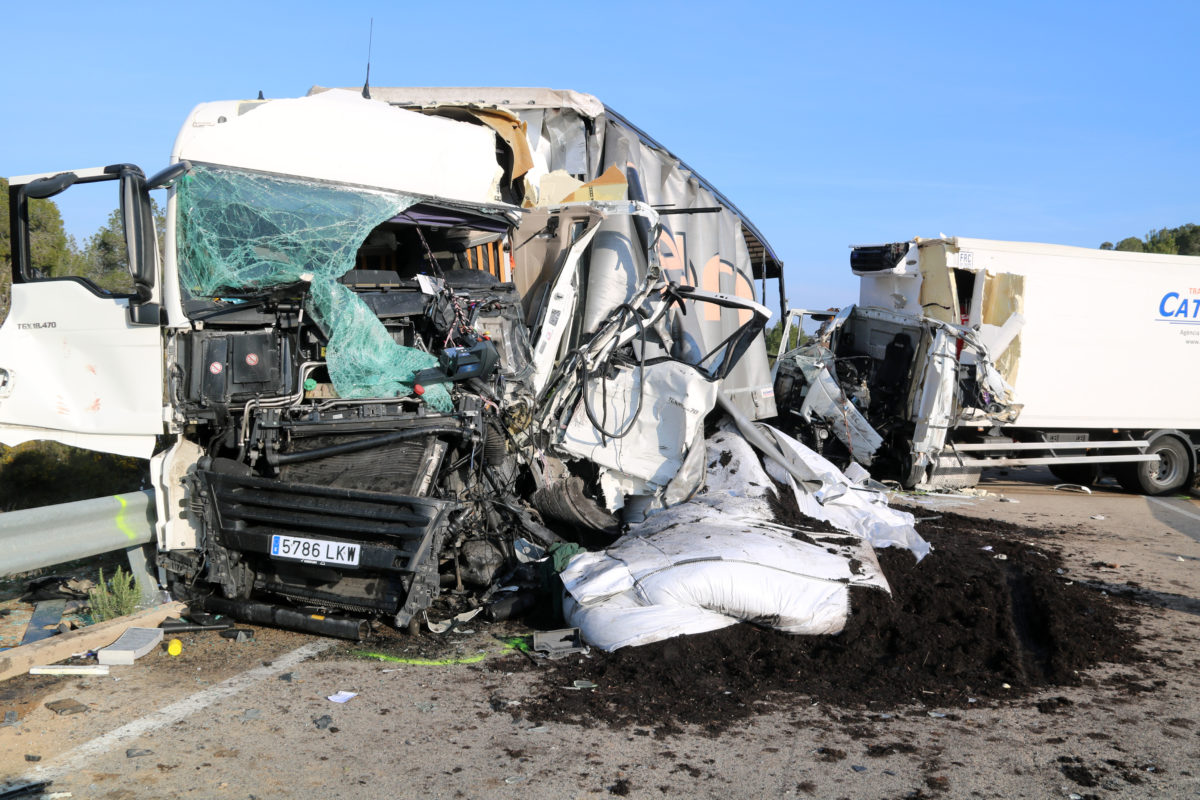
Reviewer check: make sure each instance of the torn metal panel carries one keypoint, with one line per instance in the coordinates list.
(719, 250)
(934, 402)
(1003, 304)
(939, 296)
(660, 408)
(825, 399)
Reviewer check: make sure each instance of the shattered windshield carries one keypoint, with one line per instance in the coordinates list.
(242, 232)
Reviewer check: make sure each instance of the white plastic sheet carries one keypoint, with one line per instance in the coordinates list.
(719, 559)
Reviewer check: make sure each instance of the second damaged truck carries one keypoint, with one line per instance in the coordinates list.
(388, 349)
(964, 354)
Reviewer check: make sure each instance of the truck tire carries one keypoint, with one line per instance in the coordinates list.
(1170, 473)
(1082, 474)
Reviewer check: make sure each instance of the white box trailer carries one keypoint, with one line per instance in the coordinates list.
(969, 353)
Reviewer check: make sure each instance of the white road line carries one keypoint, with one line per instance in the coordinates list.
(77, 759)
(1174, 507)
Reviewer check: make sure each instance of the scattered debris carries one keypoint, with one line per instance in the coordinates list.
(323, 722)
(10, 718)
(44, 622)
(1098, 516)
(175, 625)
(130, 646)
(446, 626)
(66, 707)
(70, 669)
(342, 696)
(24, 790)
(719, 559)
(138, 752)
(238, 635)
(558, 643)
(1026, 629)
(1072, 487)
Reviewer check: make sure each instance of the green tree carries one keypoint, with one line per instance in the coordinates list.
(45, 473)
(106, 261)
(51, 251)
(1184, 241)
(774, 336)
(106, 258)
(1161, 241)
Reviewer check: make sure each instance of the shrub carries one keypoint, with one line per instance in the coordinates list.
(115, 598)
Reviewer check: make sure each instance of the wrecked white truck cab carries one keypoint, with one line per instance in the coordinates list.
(375, 358)
(964, 354)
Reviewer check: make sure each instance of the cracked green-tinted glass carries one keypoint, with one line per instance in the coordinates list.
(240, 232)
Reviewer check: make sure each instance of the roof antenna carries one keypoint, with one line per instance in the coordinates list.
(367, 82)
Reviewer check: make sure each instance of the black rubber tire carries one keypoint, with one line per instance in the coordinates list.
(1082, 474)
(1169, 474)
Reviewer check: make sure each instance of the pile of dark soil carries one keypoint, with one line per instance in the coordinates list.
(989, 615)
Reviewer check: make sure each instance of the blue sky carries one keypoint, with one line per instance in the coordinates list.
(828, 124)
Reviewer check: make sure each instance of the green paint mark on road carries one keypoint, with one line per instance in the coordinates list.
(422, 662)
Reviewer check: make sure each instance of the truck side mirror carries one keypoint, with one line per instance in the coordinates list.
(141, 245)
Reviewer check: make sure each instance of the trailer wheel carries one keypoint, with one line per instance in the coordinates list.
(1166, 475)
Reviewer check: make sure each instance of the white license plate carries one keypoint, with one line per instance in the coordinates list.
(317, 551)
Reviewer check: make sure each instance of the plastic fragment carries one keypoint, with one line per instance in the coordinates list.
(137, 752)
(1099, 516)
(1072, 487)
(323, 722)
(342, 696)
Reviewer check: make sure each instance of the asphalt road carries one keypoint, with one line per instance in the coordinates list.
(226, 720)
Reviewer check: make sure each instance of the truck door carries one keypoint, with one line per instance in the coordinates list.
(81, 351)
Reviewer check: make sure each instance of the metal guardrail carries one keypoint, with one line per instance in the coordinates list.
(34, 538)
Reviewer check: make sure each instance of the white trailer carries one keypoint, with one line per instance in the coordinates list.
(970, 353)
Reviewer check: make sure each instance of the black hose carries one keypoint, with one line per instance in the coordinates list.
(641, 364)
